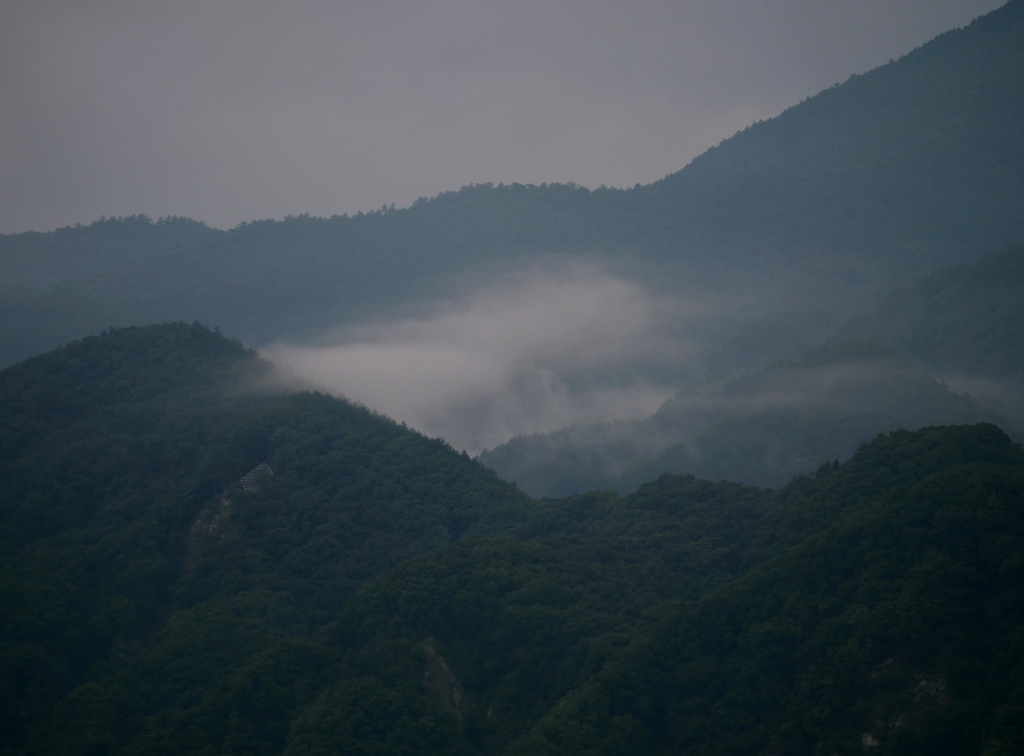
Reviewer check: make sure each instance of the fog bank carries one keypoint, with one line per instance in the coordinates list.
(533, 353)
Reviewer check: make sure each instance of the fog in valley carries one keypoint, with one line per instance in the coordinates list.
(567, 376)
(535, 352)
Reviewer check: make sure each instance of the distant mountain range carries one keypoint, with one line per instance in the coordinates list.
(917, 164)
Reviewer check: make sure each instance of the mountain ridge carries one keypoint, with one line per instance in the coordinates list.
(913, 165)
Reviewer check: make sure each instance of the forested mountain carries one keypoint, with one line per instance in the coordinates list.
(878, 166)
(915, 164)
(120, 460)
(376, 592)
(826, 617)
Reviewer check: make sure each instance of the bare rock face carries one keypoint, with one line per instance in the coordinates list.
(441, 681)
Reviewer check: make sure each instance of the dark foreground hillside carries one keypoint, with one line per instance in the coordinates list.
(122, 513)
(380, 593)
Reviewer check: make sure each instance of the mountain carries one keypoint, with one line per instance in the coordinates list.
(893, 173)
(369, 590)
(918, 159)
(120, 464)
(693, 618)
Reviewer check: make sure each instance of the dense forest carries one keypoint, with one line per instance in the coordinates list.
(814, 546)
(375, 591)
(122, 456)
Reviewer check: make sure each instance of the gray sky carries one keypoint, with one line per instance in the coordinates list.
(234, 110)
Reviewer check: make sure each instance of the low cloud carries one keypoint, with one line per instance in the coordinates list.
(534, 353)
(758, 428)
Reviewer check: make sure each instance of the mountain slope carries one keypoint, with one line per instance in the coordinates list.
(921, 158)
(120, 458)
(893, 625)
(691, 618)
(964, 321)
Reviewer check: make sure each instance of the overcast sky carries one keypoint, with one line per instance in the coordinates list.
(234, 110)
